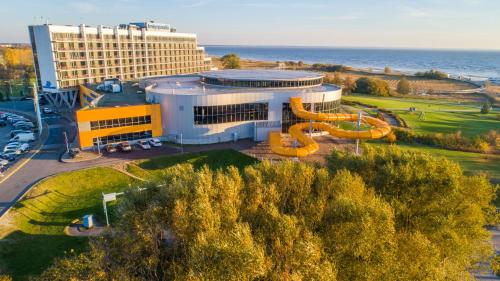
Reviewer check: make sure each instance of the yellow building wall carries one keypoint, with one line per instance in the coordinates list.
(85, 116)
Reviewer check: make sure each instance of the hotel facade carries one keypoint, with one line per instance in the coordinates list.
(68, 56)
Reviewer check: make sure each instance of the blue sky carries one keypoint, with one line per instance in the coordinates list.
(461, 24)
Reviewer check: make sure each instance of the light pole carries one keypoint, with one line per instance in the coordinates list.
(66, 142)
(359, 127)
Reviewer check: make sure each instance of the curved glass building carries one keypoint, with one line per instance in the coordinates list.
(227, 105)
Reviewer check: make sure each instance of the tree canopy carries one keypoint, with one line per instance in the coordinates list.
(231, 61)
(372, 86)
(386, 215)
(404, 87)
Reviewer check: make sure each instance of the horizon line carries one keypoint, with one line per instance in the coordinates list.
(354, 47)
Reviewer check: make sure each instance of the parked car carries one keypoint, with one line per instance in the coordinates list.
(23, 127)
(26, 98)
(143, 144)
(11, 147)
(24, 147)
(24, 137)
(24, 123)
(17, 120)
(3, 123)
(47, 110)
(110, 148)
(124, 146)
(9, 156)
(155, 142)
(4, 162)
(15, 151)
(13, 133)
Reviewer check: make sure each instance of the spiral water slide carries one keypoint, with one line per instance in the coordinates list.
(309, 146)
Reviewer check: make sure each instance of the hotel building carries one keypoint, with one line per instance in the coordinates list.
(68, 56)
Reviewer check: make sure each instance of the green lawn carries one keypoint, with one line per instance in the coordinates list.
(470, 162)
(33, 232)
(440, 116)
(215, 159)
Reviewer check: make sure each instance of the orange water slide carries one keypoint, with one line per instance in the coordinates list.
(309, 146)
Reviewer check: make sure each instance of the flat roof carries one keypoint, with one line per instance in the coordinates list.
(191, 85)
(262, 74)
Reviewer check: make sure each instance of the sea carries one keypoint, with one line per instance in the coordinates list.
(474, 65)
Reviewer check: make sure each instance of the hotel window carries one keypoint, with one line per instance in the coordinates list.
(204, 115)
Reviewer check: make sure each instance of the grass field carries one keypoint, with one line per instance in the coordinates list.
(471, 163)
(32, 233)
(440, 116)
(216, 159)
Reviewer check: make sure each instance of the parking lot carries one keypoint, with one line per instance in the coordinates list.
(19, 149)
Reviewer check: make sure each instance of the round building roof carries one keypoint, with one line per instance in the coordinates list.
(262, 75)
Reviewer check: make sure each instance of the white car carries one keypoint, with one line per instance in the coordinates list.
(155, 142)
(143, 144)
(4, 162)
(15, 151)
(47, 110)
(24, 147)
(11, 148)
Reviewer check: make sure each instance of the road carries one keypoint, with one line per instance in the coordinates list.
(46, 162)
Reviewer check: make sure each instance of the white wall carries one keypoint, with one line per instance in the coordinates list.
(46, 61)
(178, 114)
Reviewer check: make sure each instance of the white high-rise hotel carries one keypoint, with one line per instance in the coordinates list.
(68, 56)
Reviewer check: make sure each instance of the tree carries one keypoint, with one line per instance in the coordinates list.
(363, 85)
(404, 87)
(430, 196)
(337, 79)
(372, 86)
(379, 88)
(486, 108)
(349, 85)
(17, 56)
(387, 70)
(231, 61)
(415, 218)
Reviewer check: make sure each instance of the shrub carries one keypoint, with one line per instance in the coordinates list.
(433, 74)
(486, 108)
(330, 67)
(380, 88)
(372, 86)
(454, 141)
(404, 87)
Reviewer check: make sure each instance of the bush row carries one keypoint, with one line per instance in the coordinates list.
(489, 142)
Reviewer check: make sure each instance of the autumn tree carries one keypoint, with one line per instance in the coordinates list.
(231, 61)
(372, 86)
(430, 197)
(349, 85)
(385, 215)
(403, 86)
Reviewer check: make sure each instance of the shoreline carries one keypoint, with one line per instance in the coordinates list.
(475, 66)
